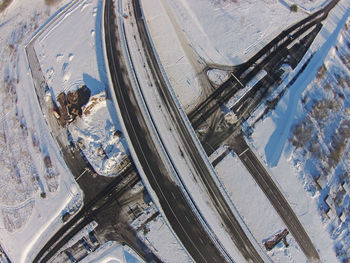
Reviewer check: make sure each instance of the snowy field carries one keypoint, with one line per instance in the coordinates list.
(71, 58)
(305, 141)
(207, 31)
(36, 187)
(230, 32)
(256, 210)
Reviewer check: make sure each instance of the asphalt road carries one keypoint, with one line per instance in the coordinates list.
(89, 182)
(82, 217)
(183, 220)
(95, 188)
(212, 103)
(231, 224)
(272, 192)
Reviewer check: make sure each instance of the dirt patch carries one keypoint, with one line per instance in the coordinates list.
(4, 4)
(70, 105)
(51, 2)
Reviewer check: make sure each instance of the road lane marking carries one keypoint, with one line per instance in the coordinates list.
(243, 152)
(233, 75)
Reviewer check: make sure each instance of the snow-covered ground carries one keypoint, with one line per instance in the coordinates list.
(173, 52)
(165, 130)
(305, 5)
(112, 252)
(255, 209)
(37, 188)
(70, 54)
(208, 31)
(96, 133)
(305, 141)
(230, 32)
(157, 236)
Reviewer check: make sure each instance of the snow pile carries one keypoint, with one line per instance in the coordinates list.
(35, 184)
(100, 141)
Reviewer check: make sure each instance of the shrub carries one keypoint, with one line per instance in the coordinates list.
(294, 8)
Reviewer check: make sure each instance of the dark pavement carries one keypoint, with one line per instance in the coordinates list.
(231, 224)
(175, 206)
(274, 195)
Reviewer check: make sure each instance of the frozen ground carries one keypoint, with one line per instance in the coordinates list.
(72, 57)
(305, 141)
(36, 187)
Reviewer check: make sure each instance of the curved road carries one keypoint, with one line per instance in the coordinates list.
(180, 215)
(230, 223)
(202, 112)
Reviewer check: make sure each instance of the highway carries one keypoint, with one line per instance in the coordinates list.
(245, 72)
(182, 218)
(272, 192)
(231, 224)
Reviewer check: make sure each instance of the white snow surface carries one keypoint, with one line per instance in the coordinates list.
(70, 54)
(306, 5)
(230, 32)
(288, 165)
(286, 176)
(255, 209)
(186, 34)
(95, 129)
(68, 50)
(177, 65)
(30, 161)
(160, 239)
